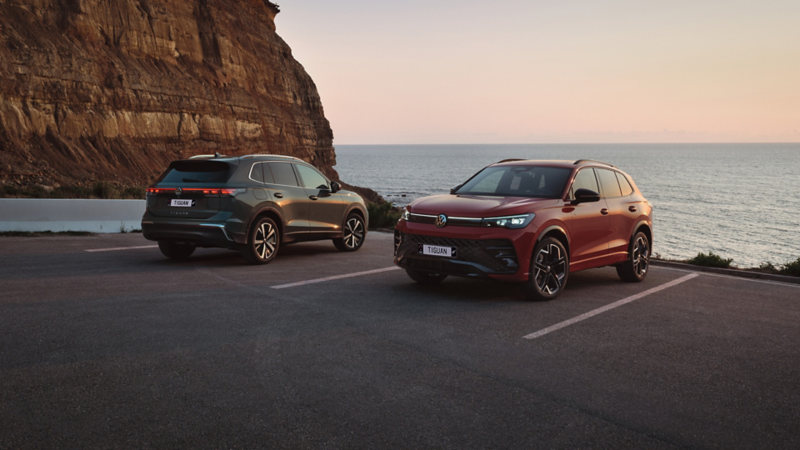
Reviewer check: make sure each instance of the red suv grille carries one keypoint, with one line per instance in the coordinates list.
(493, 255)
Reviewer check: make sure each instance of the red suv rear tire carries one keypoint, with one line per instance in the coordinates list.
(635, 269)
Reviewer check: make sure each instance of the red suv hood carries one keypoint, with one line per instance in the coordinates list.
(476, 205)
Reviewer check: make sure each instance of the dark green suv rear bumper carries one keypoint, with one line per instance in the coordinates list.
(199, 232)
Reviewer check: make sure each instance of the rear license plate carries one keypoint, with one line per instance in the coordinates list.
(185, 203)
(437, 250)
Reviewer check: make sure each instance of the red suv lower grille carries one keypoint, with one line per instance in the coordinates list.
(494, 255)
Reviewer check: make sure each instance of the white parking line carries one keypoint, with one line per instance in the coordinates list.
(610, 306)
(119, 248)
(719, 275)
(335, 277)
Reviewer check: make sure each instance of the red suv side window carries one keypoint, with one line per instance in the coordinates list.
(624, 184)
(585, 179)
(608, 180)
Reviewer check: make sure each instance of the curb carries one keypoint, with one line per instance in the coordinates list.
(732, 272)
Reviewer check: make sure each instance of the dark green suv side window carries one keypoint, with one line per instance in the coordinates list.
(283, 174)
(260, 172)
(311, 178)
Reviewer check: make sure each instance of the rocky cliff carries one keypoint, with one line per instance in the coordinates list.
(115, 89)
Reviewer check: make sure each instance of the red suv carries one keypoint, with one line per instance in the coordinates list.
(532, 222)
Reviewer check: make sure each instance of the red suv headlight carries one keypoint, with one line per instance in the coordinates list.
(518, 221)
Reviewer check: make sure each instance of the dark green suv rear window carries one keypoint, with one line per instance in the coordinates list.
(197, 172)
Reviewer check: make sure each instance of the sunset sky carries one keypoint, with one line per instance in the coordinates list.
(513, 71)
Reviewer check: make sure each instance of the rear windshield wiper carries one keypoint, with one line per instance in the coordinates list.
(190, 180)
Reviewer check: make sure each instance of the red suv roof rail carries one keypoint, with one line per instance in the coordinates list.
(581, 161)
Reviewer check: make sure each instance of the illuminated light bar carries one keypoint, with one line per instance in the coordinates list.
(159, 190)
(205, 191)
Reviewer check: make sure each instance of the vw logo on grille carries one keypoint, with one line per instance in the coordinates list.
(178, 191)
(441, 220)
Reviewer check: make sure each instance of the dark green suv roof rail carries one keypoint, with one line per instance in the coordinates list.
(271, 156)
(255, 155)
(215, 155)
(582, 161)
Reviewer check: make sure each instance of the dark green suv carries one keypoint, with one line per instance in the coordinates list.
(253, 203)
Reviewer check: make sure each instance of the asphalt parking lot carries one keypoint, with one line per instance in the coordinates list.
(122, 348)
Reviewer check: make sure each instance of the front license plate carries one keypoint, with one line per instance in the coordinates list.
(184, 203)
(437, 250)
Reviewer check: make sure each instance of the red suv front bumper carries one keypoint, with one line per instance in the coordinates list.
(499, 253)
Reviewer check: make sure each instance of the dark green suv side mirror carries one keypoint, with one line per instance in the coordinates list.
(335, 187)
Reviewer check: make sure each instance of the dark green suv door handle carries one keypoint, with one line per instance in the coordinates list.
(312, 197)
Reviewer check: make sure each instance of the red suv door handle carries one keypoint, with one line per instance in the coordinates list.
(604, 211)
(632, 208)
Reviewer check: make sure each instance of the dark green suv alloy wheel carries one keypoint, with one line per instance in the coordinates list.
(354, 232)
(263, 242)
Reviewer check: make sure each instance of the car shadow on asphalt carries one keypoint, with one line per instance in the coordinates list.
(228, 258)
(492, 291)
(462, 290)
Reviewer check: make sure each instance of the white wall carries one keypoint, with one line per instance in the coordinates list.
(97, 216)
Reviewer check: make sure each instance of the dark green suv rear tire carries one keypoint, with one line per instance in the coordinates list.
(177, 252)
(262, 242)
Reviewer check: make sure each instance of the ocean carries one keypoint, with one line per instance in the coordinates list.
(741, 201)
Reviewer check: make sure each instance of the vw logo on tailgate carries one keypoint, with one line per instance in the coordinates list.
(178, 191)
(441, 220)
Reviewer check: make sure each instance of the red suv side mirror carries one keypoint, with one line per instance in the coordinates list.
(585, 196)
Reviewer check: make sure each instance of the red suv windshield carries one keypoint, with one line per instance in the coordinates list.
(517, 181)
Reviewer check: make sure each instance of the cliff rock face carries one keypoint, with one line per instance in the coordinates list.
(115, 89)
